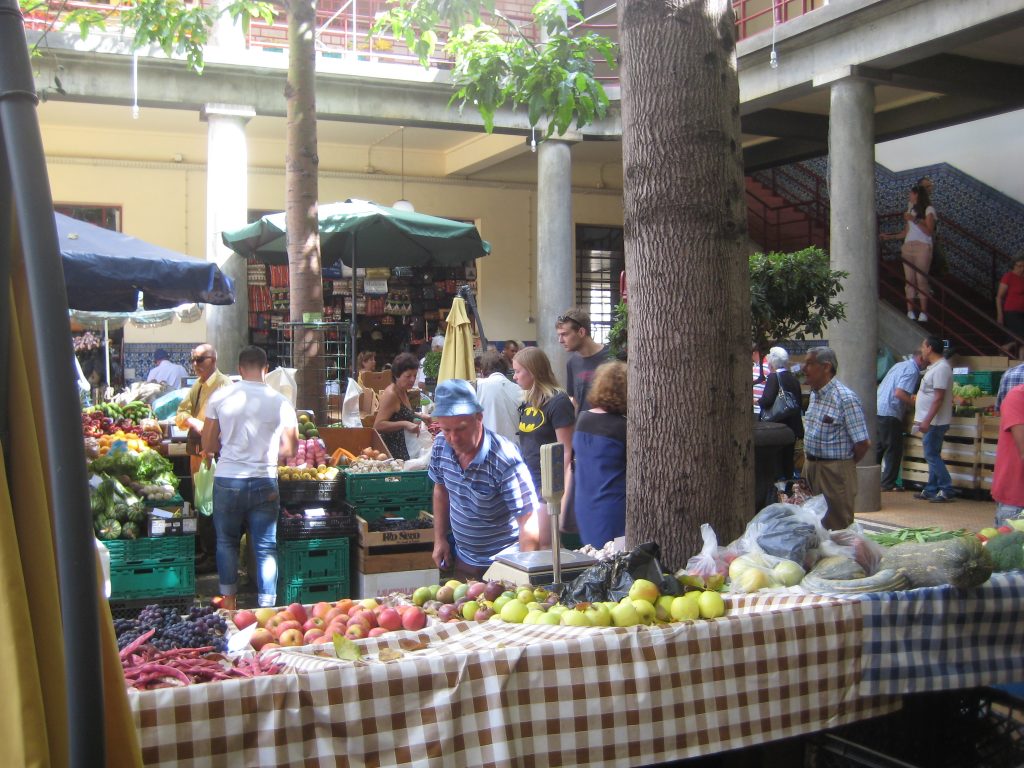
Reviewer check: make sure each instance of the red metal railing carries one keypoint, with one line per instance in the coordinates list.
(754, 16)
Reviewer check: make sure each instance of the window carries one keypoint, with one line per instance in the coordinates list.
(599, 262)
(106, 216)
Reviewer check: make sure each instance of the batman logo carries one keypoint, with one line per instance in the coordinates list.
(530, 419)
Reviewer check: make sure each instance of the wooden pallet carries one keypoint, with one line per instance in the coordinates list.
(961, 450)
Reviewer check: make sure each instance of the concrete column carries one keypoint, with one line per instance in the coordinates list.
(227, 184)
(556, 289)
(854, 238)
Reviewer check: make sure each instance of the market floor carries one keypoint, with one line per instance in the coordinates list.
(901, 510)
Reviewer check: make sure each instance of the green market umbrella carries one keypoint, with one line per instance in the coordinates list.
(361, 234)
(372, 235)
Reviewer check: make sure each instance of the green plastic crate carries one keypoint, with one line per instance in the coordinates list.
(986, 381)
(151, 551)
(309, 591)
(312, 559)
(388, 488)
(137, 582)
(371, 512)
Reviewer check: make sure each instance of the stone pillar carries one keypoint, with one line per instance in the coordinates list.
(227, 327)
(556, 289)
(854, 249)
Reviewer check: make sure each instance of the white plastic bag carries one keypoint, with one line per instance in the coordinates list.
(350, 407)
(283, 380)
(419, 446)
(710, 561)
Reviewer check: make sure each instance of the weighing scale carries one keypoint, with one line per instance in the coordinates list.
(546, 566)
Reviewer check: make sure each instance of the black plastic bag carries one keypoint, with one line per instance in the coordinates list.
(611, 579)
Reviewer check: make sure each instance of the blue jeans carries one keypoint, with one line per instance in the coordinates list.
(938, 475)
(254, 501)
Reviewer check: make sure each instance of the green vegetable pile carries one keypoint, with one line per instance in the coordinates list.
(117, 513)
(146, 467)
(918, 535)
(1007, 551)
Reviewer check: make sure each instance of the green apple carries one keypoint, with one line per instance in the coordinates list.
(625, 615)
(514, 611)
(533, 617)
(663, 608)
(547, 618)
(576, 618)
(646, 610)
(1016, 523)
(421, 595)
(460, 591)
(433, 591)
(453, 583)
(642, 589)
(684, 608)
(525, 596)
(989, 533)
(600, 616)
(469, 609)
(711, 605)
(500, 602)
(558, 609)
(540, 594)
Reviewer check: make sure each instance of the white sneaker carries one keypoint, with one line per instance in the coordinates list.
(911, 315)
(922, 318)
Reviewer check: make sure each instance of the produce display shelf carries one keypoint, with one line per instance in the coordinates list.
(139, 582)
(129, 609)
(388, 487)
(302, 491)
(151, 551)
(308, 591)
(987, 381)
(313, 559)
(330, 527)
(400, 508)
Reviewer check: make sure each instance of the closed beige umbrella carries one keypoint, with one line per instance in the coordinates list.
(457, 355)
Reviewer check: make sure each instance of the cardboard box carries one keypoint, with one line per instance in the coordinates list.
(407, 582)
(375, 380)
(371, 539)
(396, 561)
(160, 522)
(353, 439)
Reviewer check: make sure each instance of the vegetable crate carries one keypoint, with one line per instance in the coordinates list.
(402, 488)
(151, 581)
(299, 528)
(313, 559)
(977, 728)
(308, 591)
(961, 450)
(372, 512)
(987, 381)
(129, 609)
(150, 551)
(305, 491)
(400, 548)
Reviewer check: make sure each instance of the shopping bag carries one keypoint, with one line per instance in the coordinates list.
(202, 486)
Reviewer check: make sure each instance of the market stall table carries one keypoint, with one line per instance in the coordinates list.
(495, 694)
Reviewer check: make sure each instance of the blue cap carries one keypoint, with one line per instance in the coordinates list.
(161, 354)
(455, 397)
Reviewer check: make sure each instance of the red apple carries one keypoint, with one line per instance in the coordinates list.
(389, 619)
(345, 604)
(260, 638)
(271, 646)
(359, 621)
(321, 609)
(244, 619)
(377, 632)
(299, 612)
(356, 632)
(414, 618)
(447, 612)
(284, 626)
(493, 590)
(1005, 529)
(334, 612)
(476, 589)
(311, 636)
(483, 613)
(314, 622)
(290, 638)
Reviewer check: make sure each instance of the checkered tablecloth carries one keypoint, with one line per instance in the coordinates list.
(941, 638)
(506, 695)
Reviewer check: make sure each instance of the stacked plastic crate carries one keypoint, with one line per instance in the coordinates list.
(152, 570)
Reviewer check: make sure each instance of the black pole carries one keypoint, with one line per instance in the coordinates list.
(354, 330)
(65, 455)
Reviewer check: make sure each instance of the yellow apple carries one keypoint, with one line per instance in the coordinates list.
(625, 615)
(685, 608)
(576, 618)
(663, 608)
(600, 616)
(514, 611)
(642, 589)
(646, 610)
(711, 605)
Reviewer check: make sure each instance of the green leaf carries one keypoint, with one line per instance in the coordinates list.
(345, 649)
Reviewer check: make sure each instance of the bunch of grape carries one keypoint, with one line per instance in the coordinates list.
(397, 524)
(202, 627)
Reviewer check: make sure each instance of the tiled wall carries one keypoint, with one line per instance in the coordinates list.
(140, 358)
(959, 199)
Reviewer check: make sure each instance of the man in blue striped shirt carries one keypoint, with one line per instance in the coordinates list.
(895, 393)
(835, 437)
(483, 494)
(1010, 379)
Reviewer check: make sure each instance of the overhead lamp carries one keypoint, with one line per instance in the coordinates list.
(403, 204)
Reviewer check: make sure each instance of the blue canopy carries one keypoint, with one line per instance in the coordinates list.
(104, 271)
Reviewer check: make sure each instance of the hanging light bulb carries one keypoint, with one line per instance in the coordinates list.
(135, 85)
(533, 140)
(403, 204)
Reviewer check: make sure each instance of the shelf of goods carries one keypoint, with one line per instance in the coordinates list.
(158, 569)
(969, 450)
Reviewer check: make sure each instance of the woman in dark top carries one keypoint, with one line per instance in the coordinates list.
(395, 414)
(545, 416)
(778, 363)
(599, 443)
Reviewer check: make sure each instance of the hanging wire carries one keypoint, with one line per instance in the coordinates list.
(773, 57)
(135, 85)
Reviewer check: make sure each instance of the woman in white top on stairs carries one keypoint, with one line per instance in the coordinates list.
(917, 250)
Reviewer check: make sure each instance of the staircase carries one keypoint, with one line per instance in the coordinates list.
(788, 209)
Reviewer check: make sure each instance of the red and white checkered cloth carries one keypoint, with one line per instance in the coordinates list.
(495, 694)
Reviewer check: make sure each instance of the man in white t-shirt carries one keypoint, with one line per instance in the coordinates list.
(251, 426)
(933, 413)
(499, 396)
(166, 372)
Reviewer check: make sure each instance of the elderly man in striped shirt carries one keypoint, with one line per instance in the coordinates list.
(483, 494)
(835, 437)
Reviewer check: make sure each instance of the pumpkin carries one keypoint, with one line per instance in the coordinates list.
(961, 561)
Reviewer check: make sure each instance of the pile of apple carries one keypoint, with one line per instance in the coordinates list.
(494, 601)
(1016, 524)
(353, 619)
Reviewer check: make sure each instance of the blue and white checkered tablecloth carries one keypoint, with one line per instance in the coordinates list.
(942, 638)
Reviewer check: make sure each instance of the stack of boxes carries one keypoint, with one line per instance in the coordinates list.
(152, 570)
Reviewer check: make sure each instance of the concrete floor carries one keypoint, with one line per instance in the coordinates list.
(901, 510)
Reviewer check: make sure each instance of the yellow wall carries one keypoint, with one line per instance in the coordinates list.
(165, 202)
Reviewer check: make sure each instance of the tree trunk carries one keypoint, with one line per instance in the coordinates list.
(301, 194)
(690, 421)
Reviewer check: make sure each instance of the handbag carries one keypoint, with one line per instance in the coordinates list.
(785, 405)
